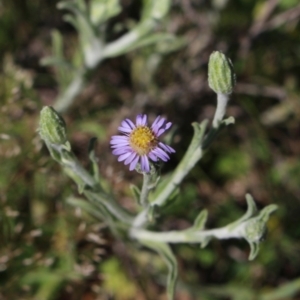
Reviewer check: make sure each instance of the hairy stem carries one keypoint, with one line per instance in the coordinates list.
(145, 190)
(222, 100)
(188, 236)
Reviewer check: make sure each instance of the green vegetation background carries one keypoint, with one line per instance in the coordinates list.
(49, 250)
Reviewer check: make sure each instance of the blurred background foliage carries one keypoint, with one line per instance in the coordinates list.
(51, 250)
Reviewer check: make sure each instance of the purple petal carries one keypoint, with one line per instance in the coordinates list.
(128, 123)
(160, 132)
(121, 150)
(155, 121)
(133, 163)
(145, 164)
(124, 156)
(168, 125)
(118, 140)
(165, 127)
(144, 121)
(139, 120)
(119, 137)
(130, 158)
(158, 125)
(166, 147)
(126, 126)
(118, 145)
(161, 121)
(152, 156)
(124, 129)
(161, 154)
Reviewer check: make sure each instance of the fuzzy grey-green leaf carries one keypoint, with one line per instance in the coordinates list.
(221, 77)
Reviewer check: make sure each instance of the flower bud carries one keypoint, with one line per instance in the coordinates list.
(156, 9)
(52, 127)
(101, 11)
(160, 8)
(221, 77)
(255, 230)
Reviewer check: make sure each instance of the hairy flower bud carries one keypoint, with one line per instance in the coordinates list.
(52, 127)
(221, 77)
(160, 8)
(156, 9)
(101, 11)
(255, 230)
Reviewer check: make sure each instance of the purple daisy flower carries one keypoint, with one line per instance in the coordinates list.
(139, 142)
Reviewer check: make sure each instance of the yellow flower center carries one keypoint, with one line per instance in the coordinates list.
(142, 140)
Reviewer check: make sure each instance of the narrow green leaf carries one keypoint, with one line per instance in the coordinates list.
(284, 291)
(228, 121)
(156, 9)
(254, 249)
(160, 186)
(199, 131)
(136, 192)
(205, 242)
(72, 20)
(53, 152)
(93, 158)
(267, 211)
(81, 188)
(200, 221)
(153, 213)
(102, 10)
(90, 208)
(251, 211)
(57, 44)
(151, 39)
(167, 255)
(82, 5)
(55, 61)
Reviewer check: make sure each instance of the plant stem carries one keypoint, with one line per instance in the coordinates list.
(186, 164)
(125, 42)
(188, 236)
(112, 49)
(222, 100)
(191, 157)
(64, 101)
(194, 153)
(110, 204)
(91, 188)
(145, 190)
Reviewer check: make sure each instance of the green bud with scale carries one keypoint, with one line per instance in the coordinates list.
(255, 230)
(52, 127)
(221, 77)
